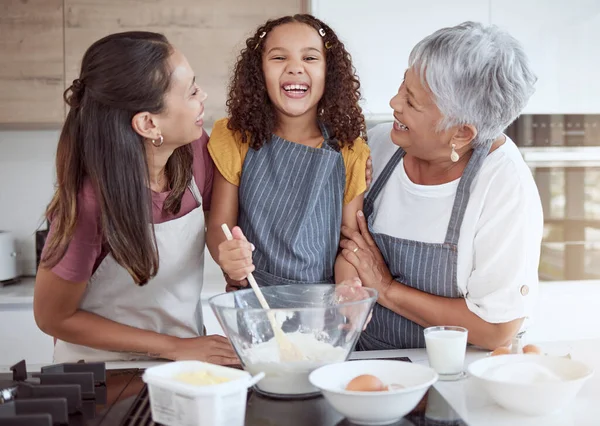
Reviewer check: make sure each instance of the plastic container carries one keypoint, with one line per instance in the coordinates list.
(175, 403)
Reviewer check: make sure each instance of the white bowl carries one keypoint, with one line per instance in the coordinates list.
(374, 408)
(531, 384)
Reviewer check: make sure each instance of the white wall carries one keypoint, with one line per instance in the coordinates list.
(26, 185)
(559, 36)
(561, 39)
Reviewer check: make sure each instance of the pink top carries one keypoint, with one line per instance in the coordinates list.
(87, 248)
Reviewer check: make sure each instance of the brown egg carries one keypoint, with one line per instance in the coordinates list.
(501, 351)
(532, 349)
(365, 383)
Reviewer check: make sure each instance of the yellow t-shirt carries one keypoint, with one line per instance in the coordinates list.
(229, 152)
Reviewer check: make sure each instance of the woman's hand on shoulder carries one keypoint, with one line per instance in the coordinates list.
(369, 173)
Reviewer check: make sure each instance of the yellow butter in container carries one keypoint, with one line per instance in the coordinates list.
(194, 393)
(200, 378)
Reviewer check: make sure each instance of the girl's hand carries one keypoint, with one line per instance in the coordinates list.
(235, 256)
(233, 285)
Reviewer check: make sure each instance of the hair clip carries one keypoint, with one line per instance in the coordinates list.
(260, 37)
(328, 45)
(322, 32)
(77, 84)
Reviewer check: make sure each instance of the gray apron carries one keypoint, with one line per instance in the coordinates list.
(290, 207)
(428, 267)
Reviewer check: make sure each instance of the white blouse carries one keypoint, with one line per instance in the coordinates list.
(500, 237)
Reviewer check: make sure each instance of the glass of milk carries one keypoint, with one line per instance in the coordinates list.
(446, 348)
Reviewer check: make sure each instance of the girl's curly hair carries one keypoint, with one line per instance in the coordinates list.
(250, 110)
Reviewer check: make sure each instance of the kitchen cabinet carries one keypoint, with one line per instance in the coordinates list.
(559, 36)
(380, 34)
(561, 39)
(210, 33)
(42, 43)
(32, 71)
(20, 337)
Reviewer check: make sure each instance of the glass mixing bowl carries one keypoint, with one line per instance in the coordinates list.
(323, 321)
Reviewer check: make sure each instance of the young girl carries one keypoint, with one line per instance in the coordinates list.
(123, 263)
(291, 158)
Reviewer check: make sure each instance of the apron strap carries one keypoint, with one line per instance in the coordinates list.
(195, 191)
(328, 142)
(381, 181)
(324, 131)
(463, 192)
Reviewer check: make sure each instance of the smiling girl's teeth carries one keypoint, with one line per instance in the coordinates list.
(295, 87)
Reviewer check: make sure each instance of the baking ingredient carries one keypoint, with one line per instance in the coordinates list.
(446, 350)
(532, 349)
(522, 373)
(365, 383)
(290, 378)
(200, 378)
(501, 351)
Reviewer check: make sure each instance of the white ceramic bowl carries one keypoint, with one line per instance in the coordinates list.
(374, 408)
(531, 384)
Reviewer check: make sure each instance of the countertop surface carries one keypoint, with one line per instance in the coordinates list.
(465, 396)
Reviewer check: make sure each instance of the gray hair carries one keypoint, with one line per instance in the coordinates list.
(478, 74)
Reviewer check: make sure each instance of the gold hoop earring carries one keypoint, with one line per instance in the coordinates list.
(454, 157)
(161, 140)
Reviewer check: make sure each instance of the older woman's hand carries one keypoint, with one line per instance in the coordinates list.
(361, 251)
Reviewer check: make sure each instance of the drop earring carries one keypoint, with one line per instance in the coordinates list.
(160, 141)
(454, 155)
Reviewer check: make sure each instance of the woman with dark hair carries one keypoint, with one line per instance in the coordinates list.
(290, 159)
(122, 268)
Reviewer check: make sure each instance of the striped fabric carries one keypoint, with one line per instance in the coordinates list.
(290, 207)
(425, 266)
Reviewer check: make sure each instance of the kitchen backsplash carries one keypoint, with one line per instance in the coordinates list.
(26, 185)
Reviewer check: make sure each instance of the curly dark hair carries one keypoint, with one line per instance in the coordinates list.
(250, 110)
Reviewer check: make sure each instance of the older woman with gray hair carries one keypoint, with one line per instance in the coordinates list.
(452, 225)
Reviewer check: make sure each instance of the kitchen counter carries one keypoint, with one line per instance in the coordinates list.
(21, 293)
(470, 402)
(477, 409)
